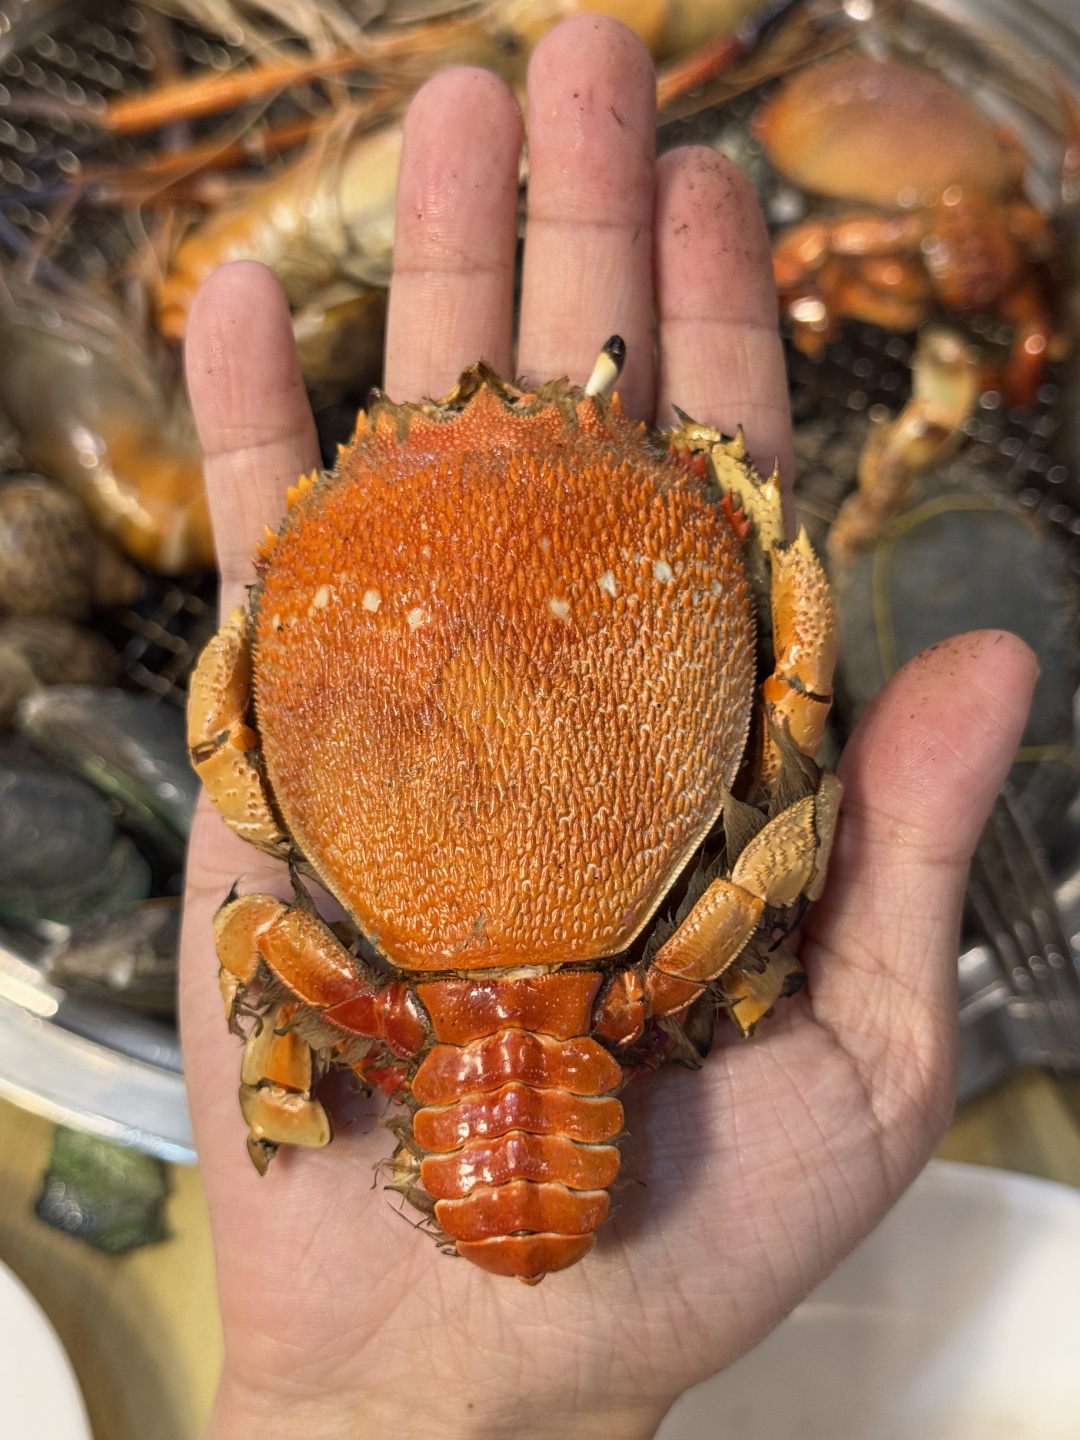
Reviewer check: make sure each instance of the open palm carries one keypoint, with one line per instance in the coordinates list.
(742, 1184)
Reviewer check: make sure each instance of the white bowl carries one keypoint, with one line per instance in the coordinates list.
(957, 1319)
(39, 1396)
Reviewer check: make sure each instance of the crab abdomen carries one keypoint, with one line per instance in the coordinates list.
(513, 1137)
(504, 665)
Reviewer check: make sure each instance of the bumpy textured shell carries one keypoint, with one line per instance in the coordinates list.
(504, 662)
(881, 132)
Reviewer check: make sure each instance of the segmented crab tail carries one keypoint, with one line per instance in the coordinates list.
(512, 1140)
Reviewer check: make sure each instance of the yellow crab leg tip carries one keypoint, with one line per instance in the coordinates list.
(277, 1116)
(751, 994)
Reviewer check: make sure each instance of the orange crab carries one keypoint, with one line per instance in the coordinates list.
(498, 693)
(949, 223)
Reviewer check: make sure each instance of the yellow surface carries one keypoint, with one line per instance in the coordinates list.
(1031, 1123)
(142, 1329)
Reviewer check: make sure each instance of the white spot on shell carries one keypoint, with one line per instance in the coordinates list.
(545, 543)
(559, 608)
(662, 571)
(275, 623)
(416, 617)
(716, 589)
(321, 598)
(372, 600)
(607, 583)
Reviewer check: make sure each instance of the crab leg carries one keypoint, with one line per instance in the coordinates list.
(946, 382)
(750, 993)
(773, 863)
(221, 742)
(798, 693)
(1026, 308)
(276, 1080)
(326, 983)
(720, 939)
(784, 861)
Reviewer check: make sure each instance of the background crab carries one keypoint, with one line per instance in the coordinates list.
(498, 694)
(949, 224)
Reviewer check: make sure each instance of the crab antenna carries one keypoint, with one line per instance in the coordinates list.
(608, 367)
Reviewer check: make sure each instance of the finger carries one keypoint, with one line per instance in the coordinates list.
(588, 245)
(721, 360)
(452, 294)
(251, 410)
(921, 773)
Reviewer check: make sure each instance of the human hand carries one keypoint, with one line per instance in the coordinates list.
(746, 1182)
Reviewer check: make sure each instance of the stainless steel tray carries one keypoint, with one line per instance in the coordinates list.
(93, 1067)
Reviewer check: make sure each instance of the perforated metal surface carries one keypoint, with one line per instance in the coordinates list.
(865, 376)
(77, 64)
(159, 640)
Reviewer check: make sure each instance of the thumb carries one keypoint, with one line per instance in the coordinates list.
(921, 773)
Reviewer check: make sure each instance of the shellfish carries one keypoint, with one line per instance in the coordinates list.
(498, 692)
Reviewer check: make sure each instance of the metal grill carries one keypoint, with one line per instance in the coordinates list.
(159, 641)
(78, 63)
(865, 376)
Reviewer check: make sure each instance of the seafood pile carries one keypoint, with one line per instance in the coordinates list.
(140, 148)
(920, 173)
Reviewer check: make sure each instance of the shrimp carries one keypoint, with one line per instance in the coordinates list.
(194, 96)
(499, 35)
(327, 216)
(97, 412)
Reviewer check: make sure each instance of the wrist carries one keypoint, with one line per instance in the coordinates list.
(243, 1411)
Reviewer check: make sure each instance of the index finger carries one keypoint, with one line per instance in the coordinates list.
(251, 410)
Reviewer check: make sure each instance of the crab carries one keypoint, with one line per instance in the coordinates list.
(497, 691)
(949, 226)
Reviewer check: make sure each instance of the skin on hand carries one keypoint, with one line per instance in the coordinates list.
(751, 1179)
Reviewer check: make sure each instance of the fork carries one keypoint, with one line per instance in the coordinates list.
(1023, 987)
